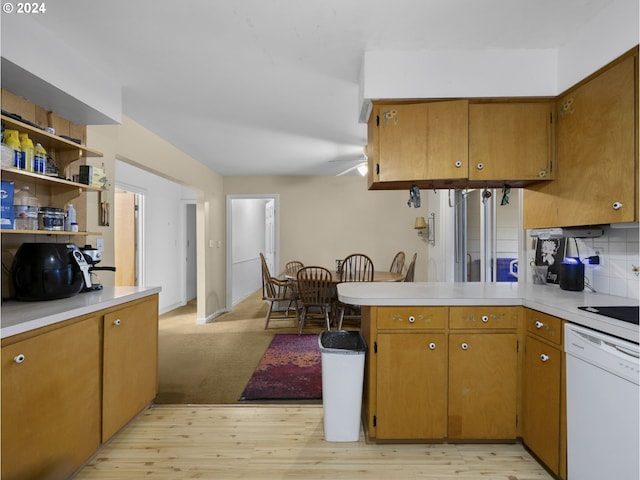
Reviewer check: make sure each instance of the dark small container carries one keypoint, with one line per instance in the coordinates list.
(50, 218)
(572, 275)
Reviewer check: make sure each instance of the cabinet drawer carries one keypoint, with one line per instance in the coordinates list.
(390, 318)
(544, 326)
(490, 317)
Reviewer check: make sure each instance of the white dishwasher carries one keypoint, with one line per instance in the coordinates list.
(603, 401)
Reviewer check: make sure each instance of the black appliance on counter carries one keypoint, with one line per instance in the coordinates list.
(630, 314)
(49, 271)
(572, 274)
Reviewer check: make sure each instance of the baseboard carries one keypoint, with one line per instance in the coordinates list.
(212, 317)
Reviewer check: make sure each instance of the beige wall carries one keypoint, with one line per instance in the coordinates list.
(133, 143)
(321, 218)
(325, 218)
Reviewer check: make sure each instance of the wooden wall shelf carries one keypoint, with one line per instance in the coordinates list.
(47, 140)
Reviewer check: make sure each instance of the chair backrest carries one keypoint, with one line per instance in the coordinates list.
(398, 263)
(292, 267)
(408, 277)
(268, 288)
(357, 267)
(315, 286)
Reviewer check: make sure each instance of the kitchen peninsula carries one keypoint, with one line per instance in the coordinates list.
(472, 362)
(74, 372)
(549, 299)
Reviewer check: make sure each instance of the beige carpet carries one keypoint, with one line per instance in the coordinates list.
(212, 363)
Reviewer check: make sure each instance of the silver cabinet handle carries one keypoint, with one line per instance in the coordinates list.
(485, 318)
(432, 346)
(464, 346)
(19, 358)
(617, 205)
(539, 324)
(117, 322)
(458, 164)
(412, 319)
(544, 357)
(480, 166)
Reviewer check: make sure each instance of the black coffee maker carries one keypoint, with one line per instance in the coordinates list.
(93, 256)
(572, 274)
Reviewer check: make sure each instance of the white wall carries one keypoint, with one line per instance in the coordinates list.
(619, 253)
(502, 73)
(163, 232)
(248, 241)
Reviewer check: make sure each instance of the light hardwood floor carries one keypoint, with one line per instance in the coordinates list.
(284, 442)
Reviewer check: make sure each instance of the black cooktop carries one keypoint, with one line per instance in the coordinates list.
(626, 314)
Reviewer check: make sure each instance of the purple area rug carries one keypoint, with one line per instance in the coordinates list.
(290, 369)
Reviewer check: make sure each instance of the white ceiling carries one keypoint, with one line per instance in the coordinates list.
(270, 87)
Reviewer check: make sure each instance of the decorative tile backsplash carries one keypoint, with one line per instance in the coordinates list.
(619, 252)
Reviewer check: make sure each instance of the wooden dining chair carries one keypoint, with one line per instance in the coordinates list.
(291, 270)
(316, 291)
(397, 265)
(274, 290)
(408, 277)
(356, 267)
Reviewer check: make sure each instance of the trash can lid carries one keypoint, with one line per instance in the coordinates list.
(342, 341)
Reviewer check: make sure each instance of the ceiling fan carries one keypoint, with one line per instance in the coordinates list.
(361, 166)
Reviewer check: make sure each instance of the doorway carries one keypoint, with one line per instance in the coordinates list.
(252, 228)
(487, 232)
(128, 233)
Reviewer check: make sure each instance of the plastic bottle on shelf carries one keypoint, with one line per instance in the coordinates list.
(70, 218)
(39, 159)
(13, 141)
(27, 151)
(25, 210)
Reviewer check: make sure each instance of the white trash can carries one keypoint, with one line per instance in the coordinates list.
(342, 354)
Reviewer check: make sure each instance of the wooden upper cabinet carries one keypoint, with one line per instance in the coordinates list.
(402, 142)
(597, 171)
(510, 141)
(417, 142)
(454, 144)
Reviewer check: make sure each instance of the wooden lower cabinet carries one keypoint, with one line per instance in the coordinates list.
(426, 380)
(67, 388)
(51, 401)
(411, 393)
(482, 386)
(130, 370)
(543, 417)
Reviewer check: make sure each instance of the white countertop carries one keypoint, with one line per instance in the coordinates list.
(548, 299)
(18, 317)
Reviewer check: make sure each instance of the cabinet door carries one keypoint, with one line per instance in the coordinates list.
(51, 402)
(482, 385)
(422, 141)
(402, 153)
(411, 394)
(130, 370)
(596, 154)
(447, 140)
(541, 416)
(510, 141)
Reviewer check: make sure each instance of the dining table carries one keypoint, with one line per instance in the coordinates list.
(378, 276)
